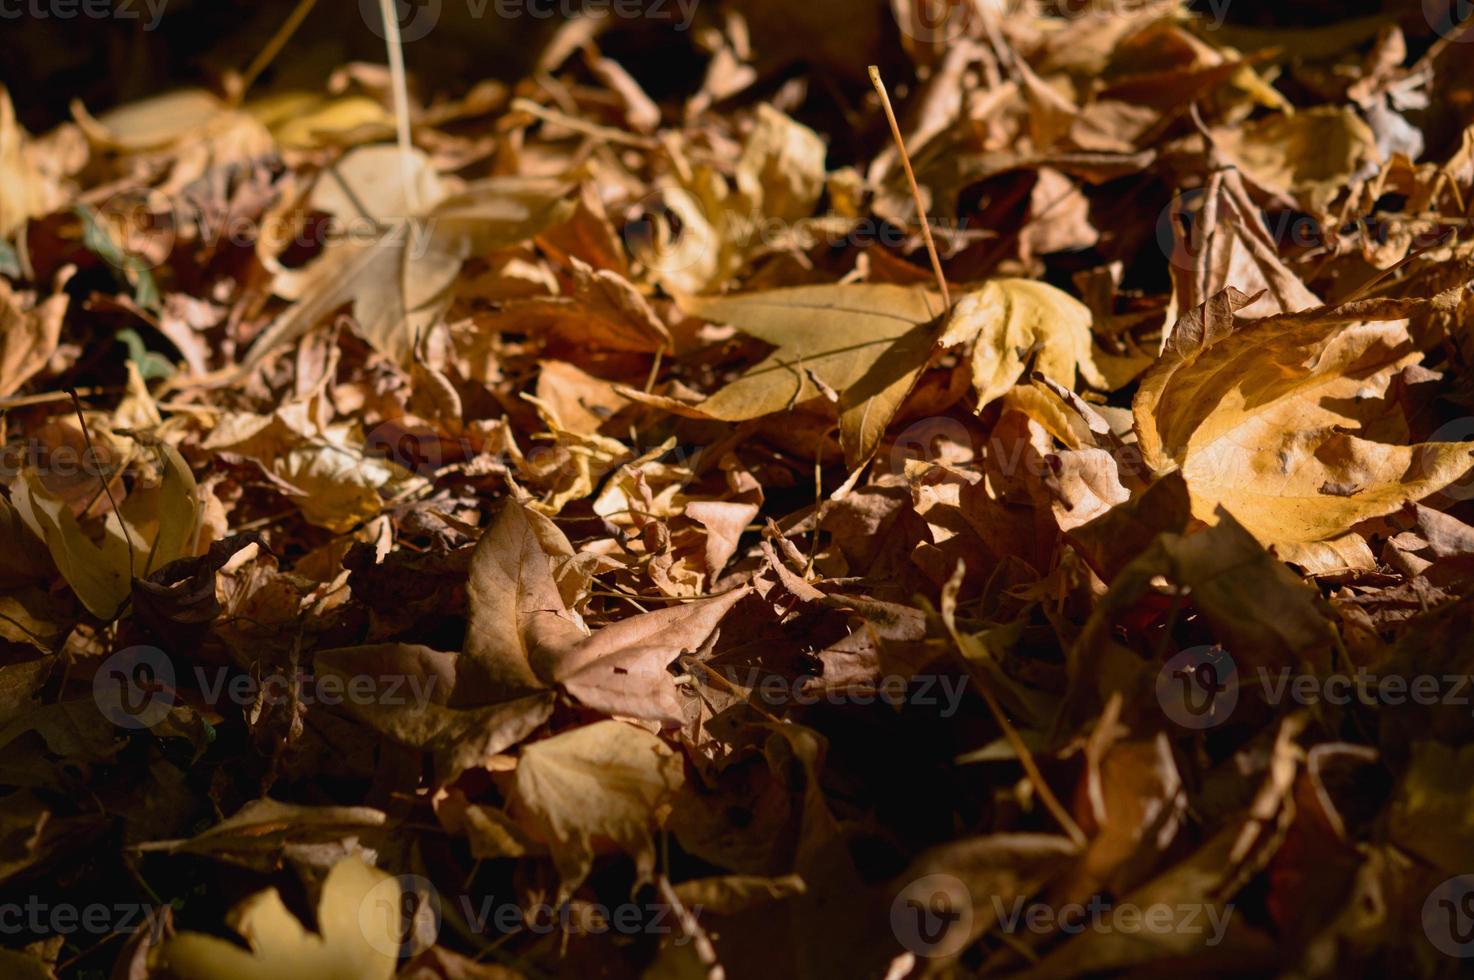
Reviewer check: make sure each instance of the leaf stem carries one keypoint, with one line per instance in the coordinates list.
(931, 246)
(401, 103)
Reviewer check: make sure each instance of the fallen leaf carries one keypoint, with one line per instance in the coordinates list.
(1260, 416)
(358, 935)
(594, 788)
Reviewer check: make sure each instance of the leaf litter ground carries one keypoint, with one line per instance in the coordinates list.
(564, 525)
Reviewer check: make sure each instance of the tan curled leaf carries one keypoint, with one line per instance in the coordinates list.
(1308, 156)
(26, 189)
(1226, 244)
(595, 789)
(153, 123)
(258, 834)
(782, 166)
(522, 636)
(603, 309)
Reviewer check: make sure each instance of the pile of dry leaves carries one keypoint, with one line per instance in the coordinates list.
(564, 526)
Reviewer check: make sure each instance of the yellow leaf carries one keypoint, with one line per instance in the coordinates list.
(305, 119)
(1284, 421)
(358, 918)
(1007, 318)
(162, 525)
(782, 166)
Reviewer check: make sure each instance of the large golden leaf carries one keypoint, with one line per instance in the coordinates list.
(161, 525)
(1284, 422)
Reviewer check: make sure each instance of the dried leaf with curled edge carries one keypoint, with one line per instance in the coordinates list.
(1226, 245)
(595, 788)
(1283, 421)
(29, 331)
(1307, 156)
(1006, 319)
(522, 637)
(358, 937)
(259, 834)
(602, 310)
